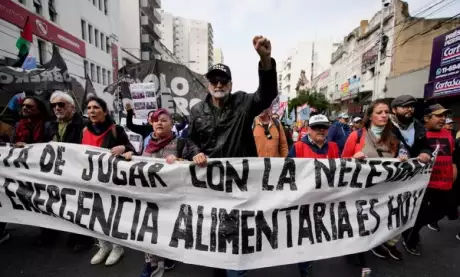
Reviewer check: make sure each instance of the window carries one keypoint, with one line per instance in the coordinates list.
(107, 45)
(84, 31)
(104, 77)
(41, 51)
(52, 11)
(98, 69)
(86, 68)
(102, 41)
(109, 76)
(90, 33)
(96, 37)
(38, 6)
(93, 73)
(100, 5)
(105, 7)
(94, 2)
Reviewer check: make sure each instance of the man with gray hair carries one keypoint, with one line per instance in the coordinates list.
(67, 128)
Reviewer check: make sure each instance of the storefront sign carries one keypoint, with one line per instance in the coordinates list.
(350, 87)
(17, 15)
(445, 56)
(446, 87)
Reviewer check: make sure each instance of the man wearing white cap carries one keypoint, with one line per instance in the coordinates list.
(340, 131)
(357, 123)
(314, 145)
(449, 126)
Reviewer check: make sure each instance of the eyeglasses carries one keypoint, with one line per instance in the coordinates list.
(58, 104)
(219, 79)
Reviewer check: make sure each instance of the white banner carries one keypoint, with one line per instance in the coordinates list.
(232, 214)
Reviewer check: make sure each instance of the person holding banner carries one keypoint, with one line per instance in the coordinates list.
(102, 132)
(315, 145)
(31, 127)
(163, 144)
(376, 140)
(67, 128)
(221, 125)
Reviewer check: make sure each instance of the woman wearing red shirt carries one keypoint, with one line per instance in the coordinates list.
(102, 132)
(376, 140)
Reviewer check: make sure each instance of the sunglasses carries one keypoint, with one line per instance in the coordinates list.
(320, 127)
(219, 79)
(58, 104)
(28, 106)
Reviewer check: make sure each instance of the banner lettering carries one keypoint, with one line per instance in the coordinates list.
(234, 213)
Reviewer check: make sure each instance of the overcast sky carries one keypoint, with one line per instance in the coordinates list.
(284, 22)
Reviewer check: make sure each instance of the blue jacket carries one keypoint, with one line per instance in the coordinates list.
(339, 133)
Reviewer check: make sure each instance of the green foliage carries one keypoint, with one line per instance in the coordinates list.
(312, 98)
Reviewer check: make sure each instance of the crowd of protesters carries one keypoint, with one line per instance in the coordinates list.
(239, 124)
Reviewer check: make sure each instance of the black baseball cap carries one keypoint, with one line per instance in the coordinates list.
(219, 69)
(403, 101)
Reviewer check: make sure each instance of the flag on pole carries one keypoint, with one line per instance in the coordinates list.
(23, 42)
(15, 101)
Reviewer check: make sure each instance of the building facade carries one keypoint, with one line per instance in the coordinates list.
(192, 41)
(296, 69)
(218, 56)
(356, 78)
(141, 33)
(86, 32)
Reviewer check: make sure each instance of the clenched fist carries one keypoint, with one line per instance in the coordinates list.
(262, 46)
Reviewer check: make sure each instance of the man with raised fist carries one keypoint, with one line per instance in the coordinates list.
(221, 125)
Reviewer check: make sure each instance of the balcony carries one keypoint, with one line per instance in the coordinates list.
(145, 55)
(150, 27)
(156, 16)
(149, 10)
(157, 3)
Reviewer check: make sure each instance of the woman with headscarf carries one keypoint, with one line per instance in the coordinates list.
(375, 140)
(164, 144)
(101, 131)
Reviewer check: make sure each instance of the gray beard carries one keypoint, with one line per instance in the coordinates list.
(219, 94)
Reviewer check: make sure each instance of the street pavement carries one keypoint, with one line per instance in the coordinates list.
(22, 257)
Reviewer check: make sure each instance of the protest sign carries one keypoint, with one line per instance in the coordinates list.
(234, 213)
(177, 87)
(144, 99)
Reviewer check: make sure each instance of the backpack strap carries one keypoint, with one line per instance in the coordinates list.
(277, 124)
(180, 147)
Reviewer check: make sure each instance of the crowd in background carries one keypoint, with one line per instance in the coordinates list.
(239, 124)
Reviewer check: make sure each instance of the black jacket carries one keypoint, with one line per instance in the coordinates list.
(73, 131)
(227, 132)
(421, 144)
(143, 130)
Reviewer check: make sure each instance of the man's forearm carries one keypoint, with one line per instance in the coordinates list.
(266, 63)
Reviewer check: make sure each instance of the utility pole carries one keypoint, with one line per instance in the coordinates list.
(376, 94)
(312, 63)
